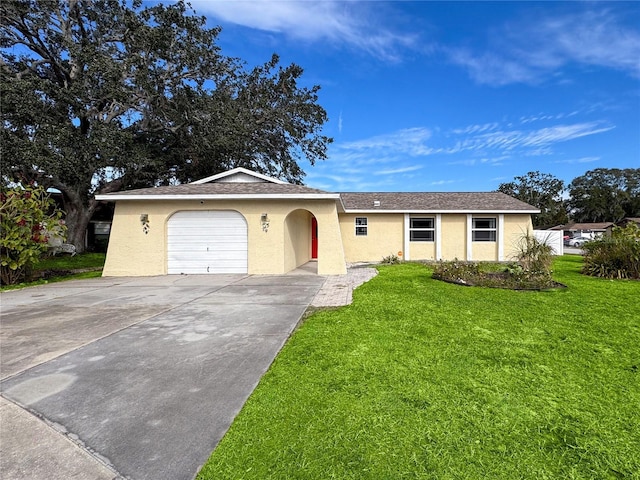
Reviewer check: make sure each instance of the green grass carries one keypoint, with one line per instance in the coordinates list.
(424, 379)
(67, 262)
(65, 265)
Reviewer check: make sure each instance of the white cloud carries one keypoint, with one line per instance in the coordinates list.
(339, 23)
(390, 158)
(469, 162)
(394, 171)
(532, 51)
(580, 160)
(476, 128)
(563, 133)
(508, 140)
(409, 141)
(443, 182)
(492, 69)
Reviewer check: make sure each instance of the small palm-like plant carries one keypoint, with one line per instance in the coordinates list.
(535, 256)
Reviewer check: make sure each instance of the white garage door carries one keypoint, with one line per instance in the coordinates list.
(207, 242)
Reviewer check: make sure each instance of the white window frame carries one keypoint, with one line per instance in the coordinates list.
(493, 229)
(422, 229)
(361, 229)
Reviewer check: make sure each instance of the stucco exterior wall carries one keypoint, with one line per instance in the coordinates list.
(384, 237)
(515, 227)
(484, 251)
(287, 243)
(454, 237)
(131, 252)
(422, 250)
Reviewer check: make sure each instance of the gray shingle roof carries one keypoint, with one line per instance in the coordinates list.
(442, 201)
(399, 201)
(224, 188)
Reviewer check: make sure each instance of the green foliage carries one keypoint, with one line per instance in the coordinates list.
(392, 259)
(457, 271)
(531, 272)
(109, 95)
(605, 195)
(600, 195)
(27, 218)
(543, 191)
(617, 256)
(535, 256)
(77, 262)
(52, 269)
(420, 379)
(511, 276)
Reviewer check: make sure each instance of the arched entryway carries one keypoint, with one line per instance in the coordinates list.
(300, 239)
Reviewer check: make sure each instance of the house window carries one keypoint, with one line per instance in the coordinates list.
(361, 226)
(422, 229)
(484, 230)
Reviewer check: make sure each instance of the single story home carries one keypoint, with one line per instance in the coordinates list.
(241, 221)
(590, 230)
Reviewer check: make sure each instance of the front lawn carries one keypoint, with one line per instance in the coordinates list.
(424, 379)
(63, 267)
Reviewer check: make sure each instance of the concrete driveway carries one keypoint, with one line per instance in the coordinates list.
(135, 378)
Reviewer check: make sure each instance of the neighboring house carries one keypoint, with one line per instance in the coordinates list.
(589, 230)
(623, 223)
(244, 222)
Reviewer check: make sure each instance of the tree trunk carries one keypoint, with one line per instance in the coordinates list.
(77, 219)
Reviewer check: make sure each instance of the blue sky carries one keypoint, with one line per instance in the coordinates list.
(454, 96)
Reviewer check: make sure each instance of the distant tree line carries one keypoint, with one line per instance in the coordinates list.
(600, 195)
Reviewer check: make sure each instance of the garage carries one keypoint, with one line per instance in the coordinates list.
(210, 241)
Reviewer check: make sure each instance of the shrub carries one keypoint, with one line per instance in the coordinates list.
(493, 275)
(535, 256)
(27, 216)
(531, 271)
(617, 256)
(391, 260)
(457, 271)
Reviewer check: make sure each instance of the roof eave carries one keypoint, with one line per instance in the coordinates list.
(434, 211)
(228, 196)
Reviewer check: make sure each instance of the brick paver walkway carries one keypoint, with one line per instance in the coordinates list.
(337, 290)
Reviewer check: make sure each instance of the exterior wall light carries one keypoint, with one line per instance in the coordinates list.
(264, 221)
(144, 220)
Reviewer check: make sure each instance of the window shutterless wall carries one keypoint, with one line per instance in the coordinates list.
(384, 236)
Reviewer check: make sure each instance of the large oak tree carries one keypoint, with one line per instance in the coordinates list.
(605, 195)
(543, 191)
(101, 95)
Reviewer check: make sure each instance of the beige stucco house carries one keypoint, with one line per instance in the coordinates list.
(244, 222)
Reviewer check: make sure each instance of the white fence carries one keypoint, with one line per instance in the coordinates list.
(553, 238)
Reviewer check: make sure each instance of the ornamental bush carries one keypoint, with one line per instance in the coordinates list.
(535, 256)
(28, 217)
(617, 256)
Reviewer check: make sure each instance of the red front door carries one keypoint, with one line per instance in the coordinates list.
(314, 238)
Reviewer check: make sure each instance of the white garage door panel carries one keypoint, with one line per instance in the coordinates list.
(207, 242)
